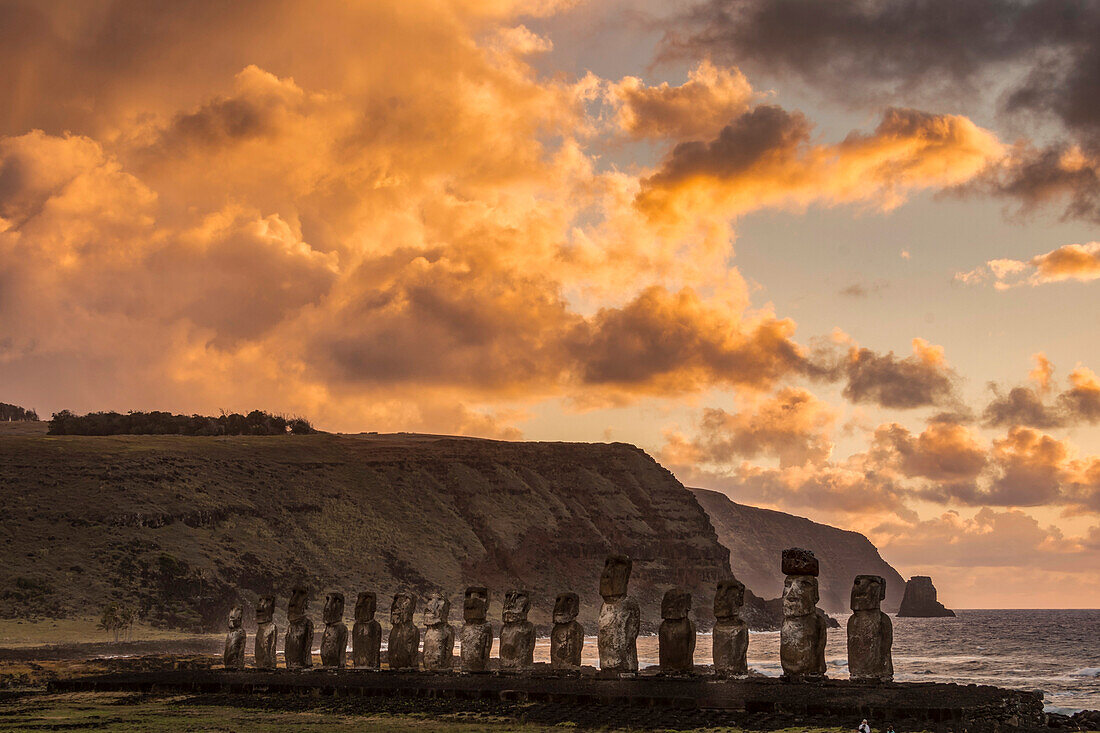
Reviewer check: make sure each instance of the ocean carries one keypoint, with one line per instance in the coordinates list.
(1057, 652)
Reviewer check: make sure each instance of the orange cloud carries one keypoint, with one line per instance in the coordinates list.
(1080, 262)
(700, 107)
(765, 157)
(921, 380)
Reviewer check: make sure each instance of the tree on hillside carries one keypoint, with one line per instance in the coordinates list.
(117, 618)
(10, 413)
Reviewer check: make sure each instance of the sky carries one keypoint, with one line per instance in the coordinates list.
(839, 259)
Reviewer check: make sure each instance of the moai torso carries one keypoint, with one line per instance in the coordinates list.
(567, 636)
(233, 658)
(404, 641)
(676, 637)
(366, 634)
(298, 644)
(870, 633)
(477, 633)
(517, 635)
(802, 636)
(617, 639)
(334, 642)
(731, 635)
(266, 633)
(439, 636)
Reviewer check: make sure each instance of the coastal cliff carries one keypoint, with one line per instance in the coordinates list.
(756, 537)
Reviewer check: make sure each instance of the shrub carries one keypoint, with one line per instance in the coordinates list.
(256, 422)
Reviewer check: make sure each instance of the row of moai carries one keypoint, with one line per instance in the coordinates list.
(802, 636)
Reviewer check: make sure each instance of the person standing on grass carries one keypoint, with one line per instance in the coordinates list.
(864, 727)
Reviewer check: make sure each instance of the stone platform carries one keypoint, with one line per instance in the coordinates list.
(908, 706)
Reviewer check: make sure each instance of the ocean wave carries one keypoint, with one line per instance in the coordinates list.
(1085, 672)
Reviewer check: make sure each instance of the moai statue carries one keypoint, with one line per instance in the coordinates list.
(266, 633)
(731, 635)
(334, 642)
(676, 636)
(567, 636)
(517, 636)
(439, 637)
(617, 638)
(298, 644)
(802, 636)
(870, 633)
(366, 634)
(404, 643)
(477, 633)
(233, 658)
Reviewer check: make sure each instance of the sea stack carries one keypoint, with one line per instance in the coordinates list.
(567, 636)
(731, 634)
(477, 633)
(676, 636)
(517, 636)
(439, 636)
(298, 644)
(619, 619)
(334, 640)
(403, 649)
(366, 634)
(802, 636)
(870, 633)
(233, 658)
(266, 633)
(920, 601)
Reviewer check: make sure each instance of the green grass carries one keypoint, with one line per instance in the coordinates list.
(136, 712)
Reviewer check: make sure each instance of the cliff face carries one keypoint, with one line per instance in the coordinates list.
(756, 538)
(184, 527)
(920, 599)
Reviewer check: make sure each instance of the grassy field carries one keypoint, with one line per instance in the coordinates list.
(136, 712)
(29, 633)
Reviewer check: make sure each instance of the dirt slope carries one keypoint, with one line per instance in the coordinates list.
(183, 527)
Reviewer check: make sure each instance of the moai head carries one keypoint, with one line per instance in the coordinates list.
(516, 605)
(334, 608)
(365, 606)
(437, 609)
(797, 561)
(401, 611)
(297, 605)
(676, 604)
(265, 609)
(476, 604)
(615, 577)
(235, 617)
(868, 591)
(728, 598)
(566, 608)
(799, 595)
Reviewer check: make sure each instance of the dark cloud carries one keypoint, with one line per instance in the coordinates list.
(863, 290)
(1048, 49)
(1077, 405)
(920, 380)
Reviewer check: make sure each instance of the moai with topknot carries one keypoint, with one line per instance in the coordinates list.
(298, 644)
(266, 633)
(233, 657)
(870, 633)
(404, 642)
(676, 635)
(477, 633)
(334, 642)
(802, 636)
(731, 634)
(619, 619)
(517, 636)
(567, 636)
(439, 636)
(366, 634)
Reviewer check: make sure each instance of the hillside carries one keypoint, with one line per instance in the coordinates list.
(756, 537)
(177, 526)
